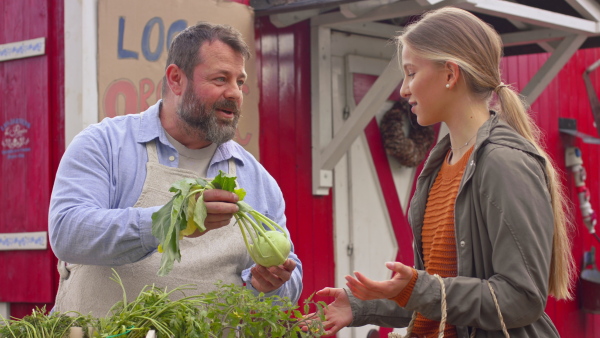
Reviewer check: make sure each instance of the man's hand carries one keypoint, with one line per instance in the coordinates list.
(367, 289)
(220, 207)
(338, 314)
(269, 279)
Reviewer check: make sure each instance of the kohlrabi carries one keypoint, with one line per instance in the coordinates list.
(269, 244)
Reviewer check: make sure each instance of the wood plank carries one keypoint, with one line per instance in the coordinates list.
(269, 104)
(26, 169)
(287, 125)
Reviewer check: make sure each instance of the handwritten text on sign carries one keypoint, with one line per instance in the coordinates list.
(24, 241)
(22, 49)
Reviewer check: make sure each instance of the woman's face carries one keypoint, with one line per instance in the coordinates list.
(424, 87)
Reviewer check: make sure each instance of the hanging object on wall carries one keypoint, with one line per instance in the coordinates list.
(593, 97)
(574, 161)
(590, 277)
(410, 150)
(590, 283)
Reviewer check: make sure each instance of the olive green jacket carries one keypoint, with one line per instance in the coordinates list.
(504, 228)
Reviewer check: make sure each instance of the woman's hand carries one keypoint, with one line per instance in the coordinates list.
(367, 289)
(338, 314)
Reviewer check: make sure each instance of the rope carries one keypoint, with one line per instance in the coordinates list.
(445, 315)
(498, 310)
(499, 314)
(444, 311)
(411, 325)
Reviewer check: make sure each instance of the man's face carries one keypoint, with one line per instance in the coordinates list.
(204, 120)
(211, 101)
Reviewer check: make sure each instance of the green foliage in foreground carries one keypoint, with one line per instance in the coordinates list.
(230, 311)
(40, 325)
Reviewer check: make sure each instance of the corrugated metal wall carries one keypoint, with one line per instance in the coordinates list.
(285, 145)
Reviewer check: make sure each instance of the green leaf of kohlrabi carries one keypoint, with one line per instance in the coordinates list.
(169, 220)
(224, 181)
(241, 193)
(159, 218)
(200, 213)
(171, 251)
(183, 185)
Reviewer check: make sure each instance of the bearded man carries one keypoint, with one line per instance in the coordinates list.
(117, 173)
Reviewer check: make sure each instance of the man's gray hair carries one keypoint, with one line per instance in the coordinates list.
(184, 51)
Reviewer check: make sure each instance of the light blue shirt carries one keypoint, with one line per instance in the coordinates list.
(92, 220)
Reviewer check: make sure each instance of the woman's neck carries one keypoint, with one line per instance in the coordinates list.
(464, 124)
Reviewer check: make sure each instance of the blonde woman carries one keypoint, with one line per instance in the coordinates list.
(490, 232)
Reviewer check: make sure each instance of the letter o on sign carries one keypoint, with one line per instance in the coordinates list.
(153, 56)
(124, 88)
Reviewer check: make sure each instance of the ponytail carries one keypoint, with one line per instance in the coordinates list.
(513, 109)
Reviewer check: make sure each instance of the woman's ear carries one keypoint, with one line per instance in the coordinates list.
(452, 73)
(175, 79)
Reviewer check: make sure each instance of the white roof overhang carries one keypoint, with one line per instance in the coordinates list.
(557, 33)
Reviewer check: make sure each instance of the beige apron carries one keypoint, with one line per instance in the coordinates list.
(217, 255)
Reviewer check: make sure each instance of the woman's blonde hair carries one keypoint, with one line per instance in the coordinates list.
(452, 34)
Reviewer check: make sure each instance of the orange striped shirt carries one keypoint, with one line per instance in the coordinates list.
(438, 240)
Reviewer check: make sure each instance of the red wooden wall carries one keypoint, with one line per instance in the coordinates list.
(283, 57)
(32, 93)
(566, 97)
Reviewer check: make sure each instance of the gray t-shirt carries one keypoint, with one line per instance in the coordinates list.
(196, 160)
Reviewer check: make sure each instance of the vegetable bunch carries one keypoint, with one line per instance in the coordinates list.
(186, 211)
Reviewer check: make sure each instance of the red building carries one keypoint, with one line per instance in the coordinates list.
(548, 48)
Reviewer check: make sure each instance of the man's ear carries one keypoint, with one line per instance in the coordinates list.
(175, 79)
(452, 73)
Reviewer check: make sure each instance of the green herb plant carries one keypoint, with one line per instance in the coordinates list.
(229, 311)
(237, 311)
(185, 213)
(168, 312)
(39, 324)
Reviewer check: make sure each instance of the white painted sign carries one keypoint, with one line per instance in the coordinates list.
(22, 49)
(24, 241)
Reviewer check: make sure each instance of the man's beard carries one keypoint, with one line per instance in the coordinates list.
(199, 120)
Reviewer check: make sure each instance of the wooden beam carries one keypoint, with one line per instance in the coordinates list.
(589, 9)
(289, 18)
(321, 119)
(392, 10)
(532, 15)
(551, 67)
(360, 117)
(375, 29)
(532, 36)
(356, 9)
